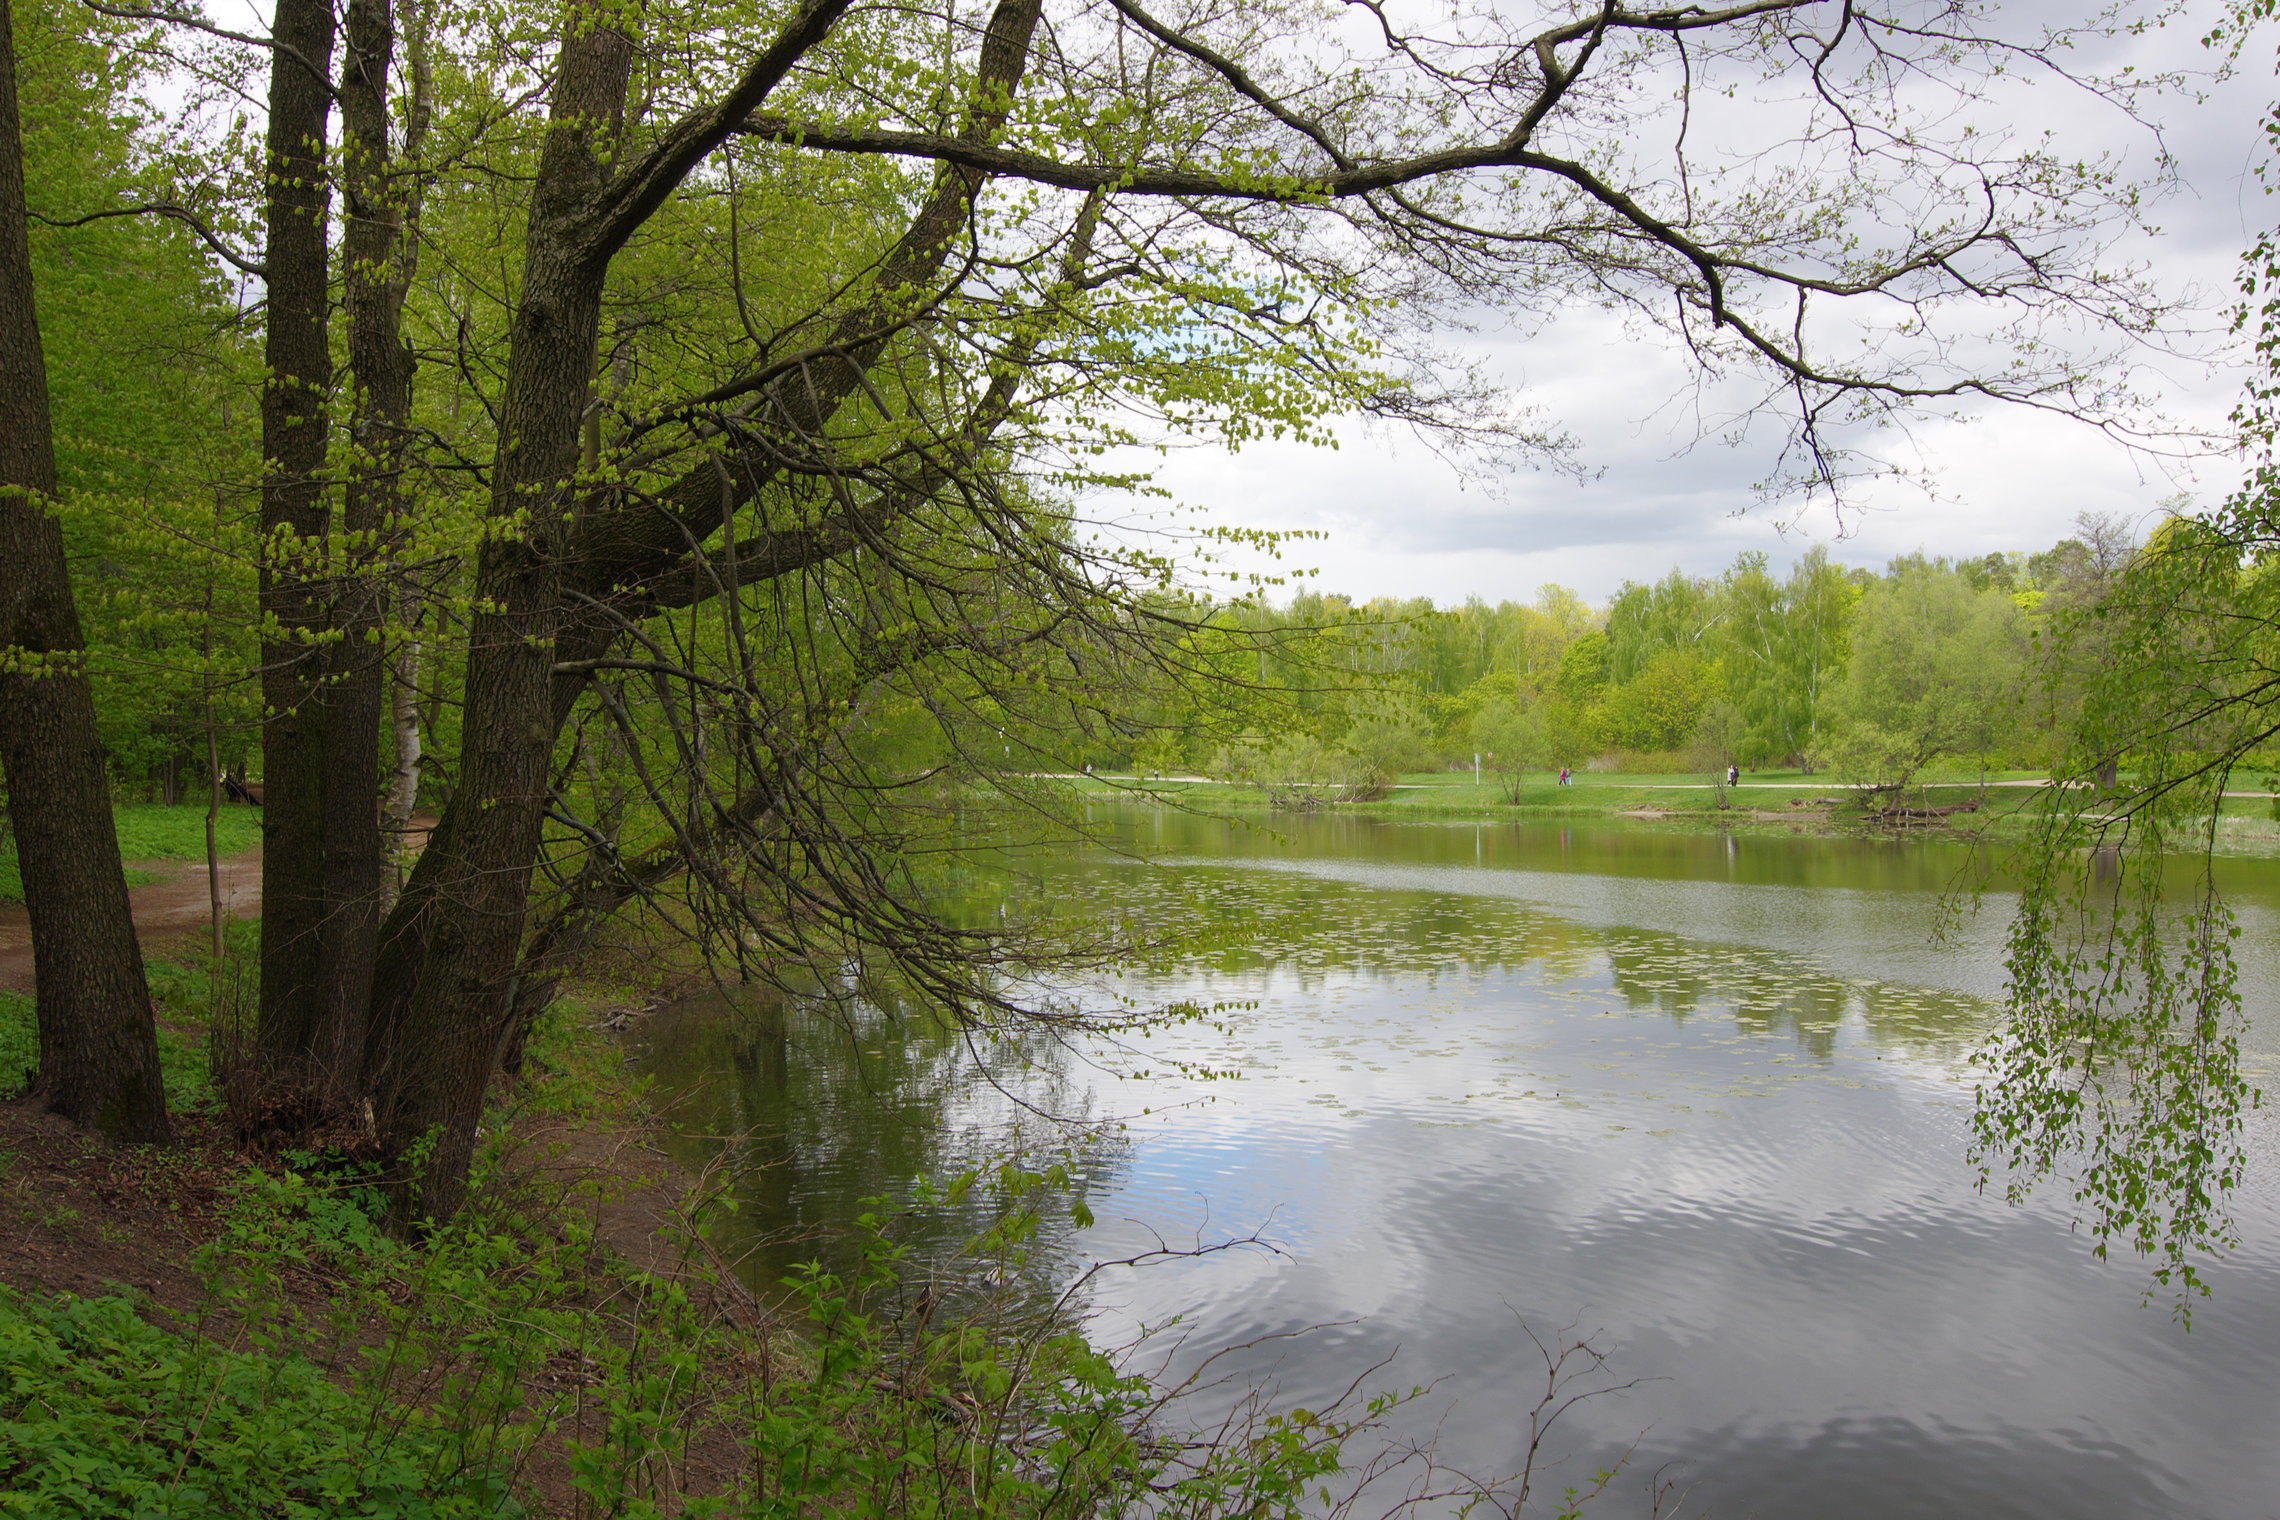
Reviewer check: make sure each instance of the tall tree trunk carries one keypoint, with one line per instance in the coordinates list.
(98, 1046)
(298, 356)
(404, 778)
(442, 1057)
(376, 269)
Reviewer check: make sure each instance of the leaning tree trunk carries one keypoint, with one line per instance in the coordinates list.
(298, 356)
(621, 555)
(98, 1046)
(440, 1060)
(444, 987)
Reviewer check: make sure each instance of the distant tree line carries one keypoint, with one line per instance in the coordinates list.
(1874, 677)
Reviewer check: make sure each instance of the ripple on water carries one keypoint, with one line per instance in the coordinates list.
(1720, 1119)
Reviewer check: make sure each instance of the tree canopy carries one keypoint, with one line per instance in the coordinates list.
(681, 438)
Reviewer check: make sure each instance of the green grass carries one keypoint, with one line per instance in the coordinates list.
(181, 1053)
(152, 831)
(1592, 791)
(1676, 795)
(2250, 826)
(183, 990)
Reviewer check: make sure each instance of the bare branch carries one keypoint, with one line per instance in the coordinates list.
(171, 212)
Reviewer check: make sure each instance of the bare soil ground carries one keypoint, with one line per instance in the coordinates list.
(170, 913)
(166, 912)
(80, 1216)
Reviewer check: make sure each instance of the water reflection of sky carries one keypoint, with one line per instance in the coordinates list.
(1710, 1103)
(1473, 1096)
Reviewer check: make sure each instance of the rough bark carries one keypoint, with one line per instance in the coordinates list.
(298, 358)
(376, 267)
(98, 1047)
(441, 1059)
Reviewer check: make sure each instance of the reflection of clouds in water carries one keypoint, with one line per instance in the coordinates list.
(1748, 1171)
(1902, 1469)
(1654, 1026)
(1469, 1095)
(1818, 1269)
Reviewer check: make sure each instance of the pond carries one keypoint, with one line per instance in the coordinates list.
(1703, 1098)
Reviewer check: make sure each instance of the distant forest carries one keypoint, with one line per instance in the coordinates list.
(1936, 663)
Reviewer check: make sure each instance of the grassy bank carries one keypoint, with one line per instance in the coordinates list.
(151, 833)
(2248, 822)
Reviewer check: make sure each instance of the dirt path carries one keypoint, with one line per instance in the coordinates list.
(169, 909)
(164, 909)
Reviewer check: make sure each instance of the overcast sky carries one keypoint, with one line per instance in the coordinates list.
(1400, 521)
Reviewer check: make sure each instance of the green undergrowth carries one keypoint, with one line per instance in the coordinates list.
(151, 831)
(181, 1052)
(574, 1067)
(105, 1415)
(185, 989)
(511, 1364)
(507, 1366)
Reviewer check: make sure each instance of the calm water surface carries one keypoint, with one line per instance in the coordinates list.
(1703, 1098)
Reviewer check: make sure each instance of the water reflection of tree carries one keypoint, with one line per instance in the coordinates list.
(807, 1111)
(1770, 993)
(812, 1112)
(1811, 1010)
(1315, 930)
